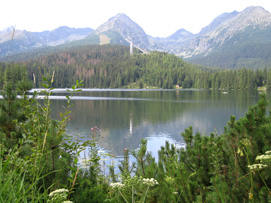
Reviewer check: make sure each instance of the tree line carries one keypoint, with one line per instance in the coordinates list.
(111, 66)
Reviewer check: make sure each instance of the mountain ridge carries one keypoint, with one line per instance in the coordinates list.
(228, 32)
(22, 40)
(248, 30)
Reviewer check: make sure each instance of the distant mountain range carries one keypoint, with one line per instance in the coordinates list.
(232, 40)
(23, 41)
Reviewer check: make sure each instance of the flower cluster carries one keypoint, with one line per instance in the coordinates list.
(59, 195)
(150, 182)
(116, 185)
(169, 179)
(240, 152)
(130, 181)
(58, 191)
(263, 157)
(95, 130)
(257, 166)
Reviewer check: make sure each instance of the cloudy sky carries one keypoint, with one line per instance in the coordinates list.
(157, 18)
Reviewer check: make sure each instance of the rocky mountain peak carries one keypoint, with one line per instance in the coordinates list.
(255, 15)
(234, 23)
(7, 29)
(121, 16)
(118, 23)
(217, 22)
(251, 16)
(180, 35)
(7, 34)
(126, 27)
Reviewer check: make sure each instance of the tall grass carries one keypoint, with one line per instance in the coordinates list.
(13, 184)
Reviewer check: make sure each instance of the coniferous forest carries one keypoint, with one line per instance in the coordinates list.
(111, 66)
(39, 162)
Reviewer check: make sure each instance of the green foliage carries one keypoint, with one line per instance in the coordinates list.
(37, 157)
(211, 168)
(133, 189)
(13, 172)
(92, 186)
(111, 66)
(10, 112)
(36, 154)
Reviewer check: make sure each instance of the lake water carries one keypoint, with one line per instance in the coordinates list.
(127, 116)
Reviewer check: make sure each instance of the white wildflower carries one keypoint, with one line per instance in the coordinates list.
(58, 191)
(116, 185)
(149, 182)
(263, 157)
(67, 202)
(257, 166)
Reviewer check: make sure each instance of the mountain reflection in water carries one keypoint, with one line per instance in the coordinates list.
(127, 116)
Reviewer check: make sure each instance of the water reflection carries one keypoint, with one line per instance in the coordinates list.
(126, 116)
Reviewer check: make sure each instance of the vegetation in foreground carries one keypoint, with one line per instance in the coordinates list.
(40, 162)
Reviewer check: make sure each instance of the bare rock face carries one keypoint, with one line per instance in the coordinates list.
(243, 36)
(223, 28)
(126, 28)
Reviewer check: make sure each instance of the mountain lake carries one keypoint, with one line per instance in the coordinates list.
(125, 116)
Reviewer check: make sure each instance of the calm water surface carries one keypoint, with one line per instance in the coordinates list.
(127, 116)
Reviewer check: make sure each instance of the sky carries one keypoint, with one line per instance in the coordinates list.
(158, 18)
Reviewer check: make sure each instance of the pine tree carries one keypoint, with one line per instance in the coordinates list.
(10, 113)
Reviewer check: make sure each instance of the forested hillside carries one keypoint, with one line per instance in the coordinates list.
(111, 66)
